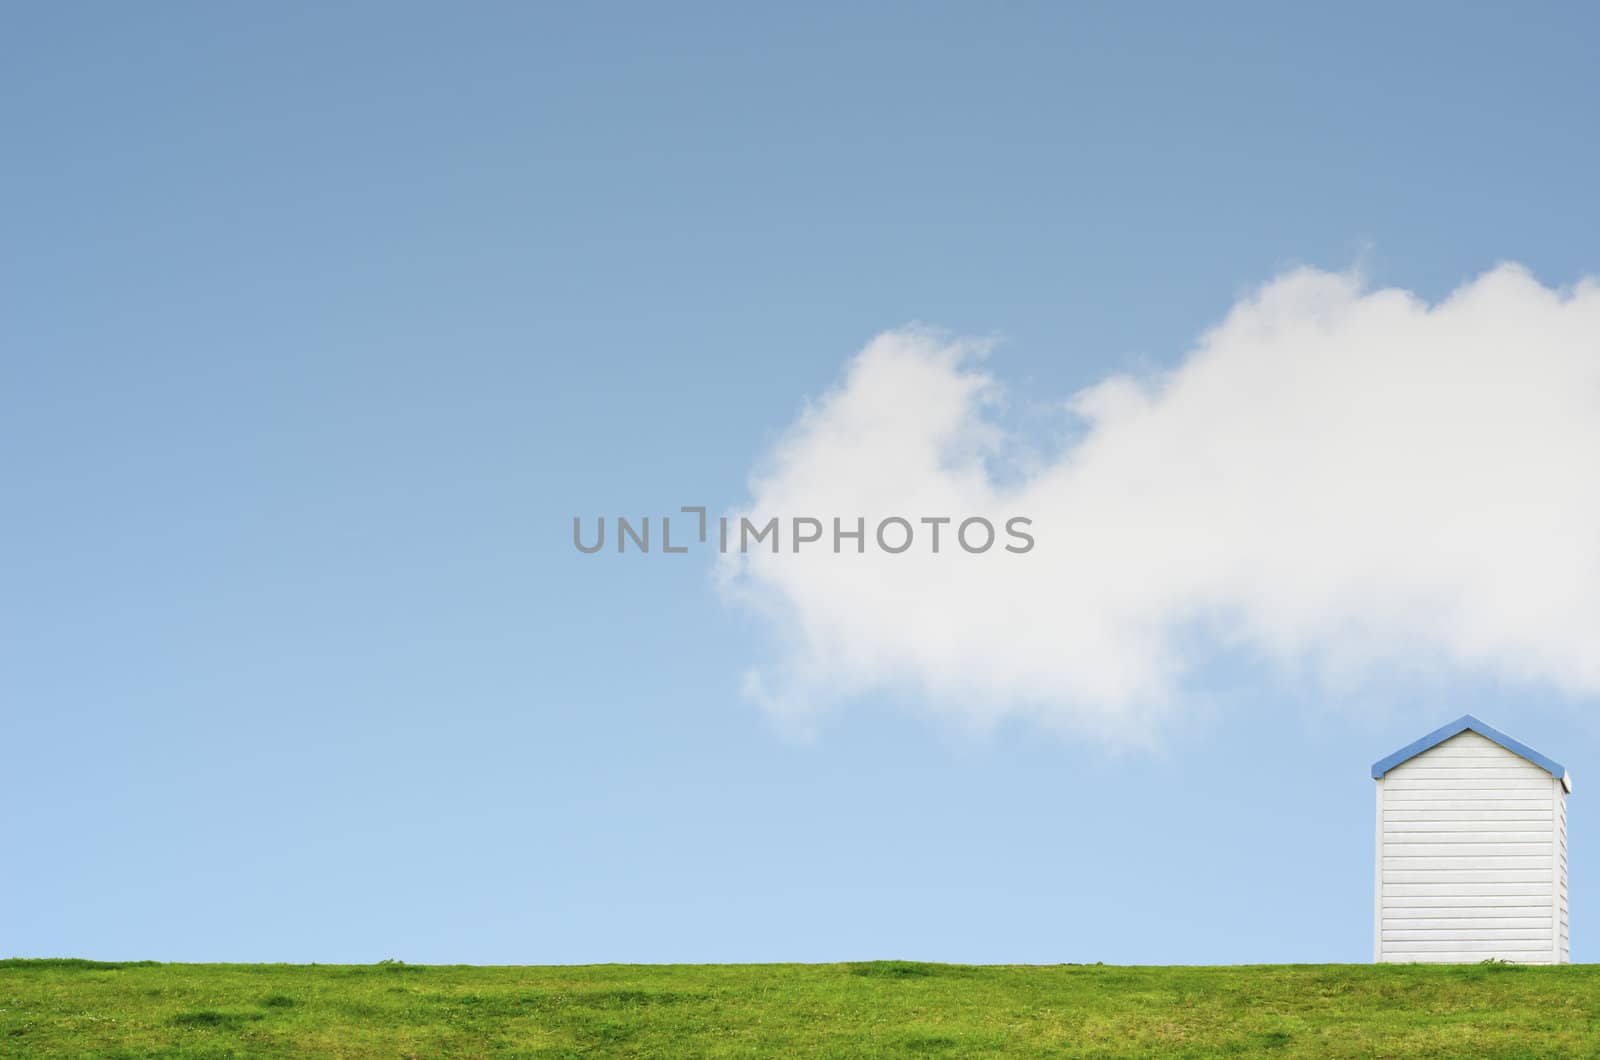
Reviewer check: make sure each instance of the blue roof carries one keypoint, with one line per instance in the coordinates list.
(1455, 728)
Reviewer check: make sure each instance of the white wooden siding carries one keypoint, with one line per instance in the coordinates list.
(1471, 858)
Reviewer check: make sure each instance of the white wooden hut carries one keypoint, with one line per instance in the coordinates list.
(1472, 850)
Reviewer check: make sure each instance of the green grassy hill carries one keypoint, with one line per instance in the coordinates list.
(889, 1008)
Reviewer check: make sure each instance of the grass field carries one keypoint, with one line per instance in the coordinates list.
(889, 1008)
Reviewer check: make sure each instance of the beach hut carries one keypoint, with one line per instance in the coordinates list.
(1472, 850)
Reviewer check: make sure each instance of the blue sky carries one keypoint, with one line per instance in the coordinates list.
(320, 325)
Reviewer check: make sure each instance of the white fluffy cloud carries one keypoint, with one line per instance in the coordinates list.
(1334, 476)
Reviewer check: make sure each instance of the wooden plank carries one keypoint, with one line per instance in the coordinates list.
(1540, 925)
(1444, 771)
(1448, 812)
(1394, 784)
(1430, 763)
(1466, 936)
(1530, 805)
(1455, 847)
(1485, 827)
(1395, 915)
(1418, 782)
(1457, 864)
(1435, 889)
(1484, 946)
(1466, 876)
(1491, 808)
(1465, 901)
(1446, 840)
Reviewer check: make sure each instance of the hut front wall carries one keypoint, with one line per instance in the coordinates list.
(1471, 858)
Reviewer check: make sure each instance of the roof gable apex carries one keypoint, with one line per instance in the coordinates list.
(1467, 723)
